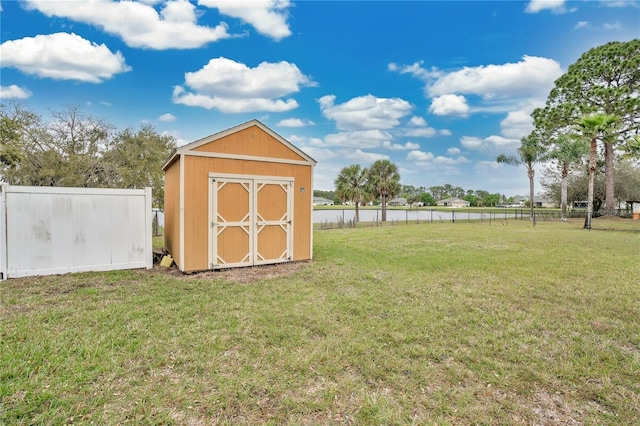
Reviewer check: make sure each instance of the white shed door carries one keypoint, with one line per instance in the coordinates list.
(251, 221)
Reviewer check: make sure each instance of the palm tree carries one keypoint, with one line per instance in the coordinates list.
(530, 153)
(351, 186)
(594, 127)
(384, 181)
(568, 150)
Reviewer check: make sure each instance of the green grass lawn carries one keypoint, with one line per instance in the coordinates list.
(465, 323)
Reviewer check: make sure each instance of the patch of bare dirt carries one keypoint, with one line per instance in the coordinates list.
(244, 275)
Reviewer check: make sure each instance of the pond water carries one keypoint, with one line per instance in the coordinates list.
(334, 216)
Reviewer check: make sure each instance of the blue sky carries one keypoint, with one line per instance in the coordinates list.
(439, 88)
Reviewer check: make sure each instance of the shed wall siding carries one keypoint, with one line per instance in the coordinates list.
(196, 187)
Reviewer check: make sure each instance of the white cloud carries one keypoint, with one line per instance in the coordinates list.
(516, 124)
(533, 76)
(449, 105)
(365, 112)
(428, 160)
(364, 157)
(167, 118)
(471, 142)
(357, 139)
(620, 3)
(14, 92)
(62, 56)
(268, 17)
(295, 122)
(420, 132)
(227, 105)
(226, 77)
(417, 121)
(416, 70)
(318, 154)
(231, 86)
(615, 26)
(445, 132)
(180, 141)
(490, 145)
(555, 6)
(139, 24)
(400, 147)
(491, 166)
(581, 24)
(454, 151)
(420, 156)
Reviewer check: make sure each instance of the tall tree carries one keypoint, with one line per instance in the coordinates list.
(81, 141)
(437, 192)
(604, 80)
(137, 157)
(594, 127)
(10, 142)
(567, 150)
(627, 182)
(631, 148)
(29, 157)
(351, 185)
(530, 152)
(384, 181)
(427, 199)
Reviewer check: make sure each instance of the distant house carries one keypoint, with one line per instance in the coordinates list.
(453, 202)
(544, 202)
(400, 201)
(635, 208)
(320, 201)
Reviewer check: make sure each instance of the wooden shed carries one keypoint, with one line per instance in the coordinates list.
(240, 197)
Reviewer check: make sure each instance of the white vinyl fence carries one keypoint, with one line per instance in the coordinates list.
(48, 230)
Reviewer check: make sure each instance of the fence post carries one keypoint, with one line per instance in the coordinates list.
(3, 232)
(155, 223)
(148, 231)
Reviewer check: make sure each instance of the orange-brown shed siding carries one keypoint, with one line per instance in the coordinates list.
(260, 154)
(253, 142)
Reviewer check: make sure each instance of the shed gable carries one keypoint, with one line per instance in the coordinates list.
(252, 141)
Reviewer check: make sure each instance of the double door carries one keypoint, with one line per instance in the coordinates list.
(250, 221)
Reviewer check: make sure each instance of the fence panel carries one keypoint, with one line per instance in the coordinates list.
(47, 230)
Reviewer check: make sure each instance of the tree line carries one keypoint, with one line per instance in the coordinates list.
(381, 182)
(77, 150)
(430, 196)
(592, 115)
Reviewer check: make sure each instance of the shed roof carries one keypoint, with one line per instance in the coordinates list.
(185, 149)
